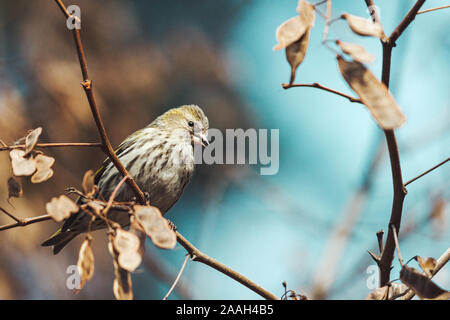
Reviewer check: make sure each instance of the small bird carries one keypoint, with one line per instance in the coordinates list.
(159, 157)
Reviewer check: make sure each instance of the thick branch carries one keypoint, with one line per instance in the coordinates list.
(199, 256)
(87, 86)
(405, 22)
(319, 86)
(399, 190)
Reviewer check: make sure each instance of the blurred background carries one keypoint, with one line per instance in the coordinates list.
(309, 225)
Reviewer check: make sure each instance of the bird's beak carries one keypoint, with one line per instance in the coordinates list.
(201, 138)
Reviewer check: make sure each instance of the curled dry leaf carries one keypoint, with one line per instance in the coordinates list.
(428, 265)
(85, 262)
(14, 188)
(43, 168)
(122, 285)
(363, 26)
(129, 260)
(125, 241)
(422, 285)
(293, 29)
(31, 140)
(22, 166)
(374, 94)
(88, 184)
(356, 51)
(155, 226)
(61, 208)
(295, 53)
(388, 292)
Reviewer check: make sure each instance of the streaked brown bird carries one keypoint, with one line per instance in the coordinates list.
(159, 157)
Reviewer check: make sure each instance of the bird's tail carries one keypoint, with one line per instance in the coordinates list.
(59, 240)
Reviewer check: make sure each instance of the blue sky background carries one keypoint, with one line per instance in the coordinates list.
(326, 144)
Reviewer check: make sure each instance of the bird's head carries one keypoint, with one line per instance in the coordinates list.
(188, 119)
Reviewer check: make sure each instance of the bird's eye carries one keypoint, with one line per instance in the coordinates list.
(191, 123)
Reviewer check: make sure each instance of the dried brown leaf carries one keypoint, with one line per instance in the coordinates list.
(88, 184)
(428, 265)
(155, 226)
(374, 94)
(31, 140)
(125, 241)
(293, 29)
(388, 292)
(43, 168)
(129, 260)
(356, 51)
(122, 285)
(85, 262)
(22, 166)
(363, 26)
(14, 188)
(61, 208)
(306, 12)
(422, 286)
(295, 53)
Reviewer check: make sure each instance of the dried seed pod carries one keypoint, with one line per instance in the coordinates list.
(22, 166)
(31, 140)
(374, 94)
(363, 26)
(356, 51)
(85, 262)
(61, 208)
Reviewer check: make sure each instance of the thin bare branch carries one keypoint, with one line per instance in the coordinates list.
(177, 278)
(25, 222)
(55, 145)
(199, 256)
(428, 171)
(88, 88)
(434, 9)
(114, 193)
(319, 86)
(397, 245)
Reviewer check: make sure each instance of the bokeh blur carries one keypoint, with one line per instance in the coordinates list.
(309, 225)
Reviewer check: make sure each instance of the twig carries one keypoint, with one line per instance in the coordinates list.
(319, 3)
(88, 89)
(405, 22)
(397, 246)
(26, 222)
(426, 172)
(319, 86)
(199, 256)
(327, 23)
(114, 193)
(10, 215)
(380, 234)
(177, 278)
(55, 145)
(433, 9)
